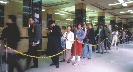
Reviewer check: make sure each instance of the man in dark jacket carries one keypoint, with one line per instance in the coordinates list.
(35, 36)
(54, 43)
(11, 35)
(89, 40)
(101, 36)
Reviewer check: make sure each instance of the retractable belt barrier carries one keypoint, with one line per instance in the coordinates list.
(55, 54)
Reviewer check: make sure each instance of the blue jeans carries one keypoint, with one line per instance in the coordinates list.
(87, 50)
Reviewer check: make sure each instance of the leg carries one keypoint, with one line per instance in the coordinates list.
(99, 46)
(90, 51)
(113, 41)
(28, 60)
(102, 47)
(79, 49)
(84, 52)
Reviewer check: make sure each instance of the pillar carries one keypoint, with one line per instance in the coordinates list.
(80, 13)
(101, 18)
(1, 15)
(27, 11)
(49, 17)
(113, 23)
(119, 23)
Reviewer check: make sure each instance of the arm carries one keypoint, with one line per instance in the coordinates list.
(38, 33)
(82, 35)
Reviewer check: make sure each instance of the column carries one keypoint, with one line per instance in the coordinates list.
(119, 23)
(101, 18)
(49, 17)
(113, 23)
(27, 11)
(1, 15)
(80, 13)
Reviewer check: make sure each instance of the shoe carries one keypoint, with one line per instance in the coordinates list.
(82, 57)
(73, 58)
(62, 60)
(52, 64)
(57, 66)
(101, 52)
(97, 52)
(34, 66)
(89, 58)
(78, 58)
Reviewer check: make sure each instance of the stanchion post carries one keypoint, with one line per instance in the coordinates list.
(0, 58)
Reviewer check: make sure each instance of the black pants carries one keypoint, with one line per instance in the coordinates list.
(33, 51)
(13, 63)
(55, 60)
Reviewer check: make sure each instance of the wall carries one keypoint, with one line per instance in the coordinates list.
(16, 9)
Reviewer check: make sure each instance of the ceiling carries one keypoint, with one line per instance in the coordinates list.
(67, 7)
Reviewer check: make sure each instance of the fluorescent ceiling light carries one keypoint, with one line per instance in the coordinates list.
(4, 1)
(43, 9)
(131, 12)
(121, 1)
(124, 4)
(68, 19)
(95, 21)
(57, 13)
(129, 2)
(122, 12)
(62, 14)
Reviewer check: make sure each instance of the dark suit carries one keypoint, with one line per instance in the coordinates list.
(35, 35)
(54, 44)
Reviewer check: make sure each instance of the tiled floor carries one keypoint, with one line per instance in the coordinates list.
(114, 61)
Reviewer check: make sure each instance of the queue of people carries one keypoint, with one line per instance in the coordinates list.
(77, 41)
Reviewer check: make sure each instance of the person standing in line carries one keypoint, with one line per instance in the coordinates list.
(11, 35)
(115, 37)
(108, 33)
(35, 36)
(54, 43)
(89, 39)
(101, 36)
(69, 38)
(85, 31)
(78, 43)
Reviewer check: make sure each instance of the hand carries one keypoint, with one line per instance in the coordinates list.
(34, 44)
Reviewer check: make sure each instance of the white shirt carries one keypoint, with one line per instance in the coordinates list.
(70, 39)
(115, 33)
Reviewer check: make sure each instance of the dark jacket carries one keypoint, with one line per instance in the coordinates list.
(12, 34)
(54, 41)
(35, 33)
(91, 36)
(102, 35)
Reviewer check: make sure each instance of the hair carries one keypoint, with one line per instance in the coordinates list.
(105, 26)
(91, 24)
(32, 18)
(12, 17)
(79, 24)
(69, 26)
